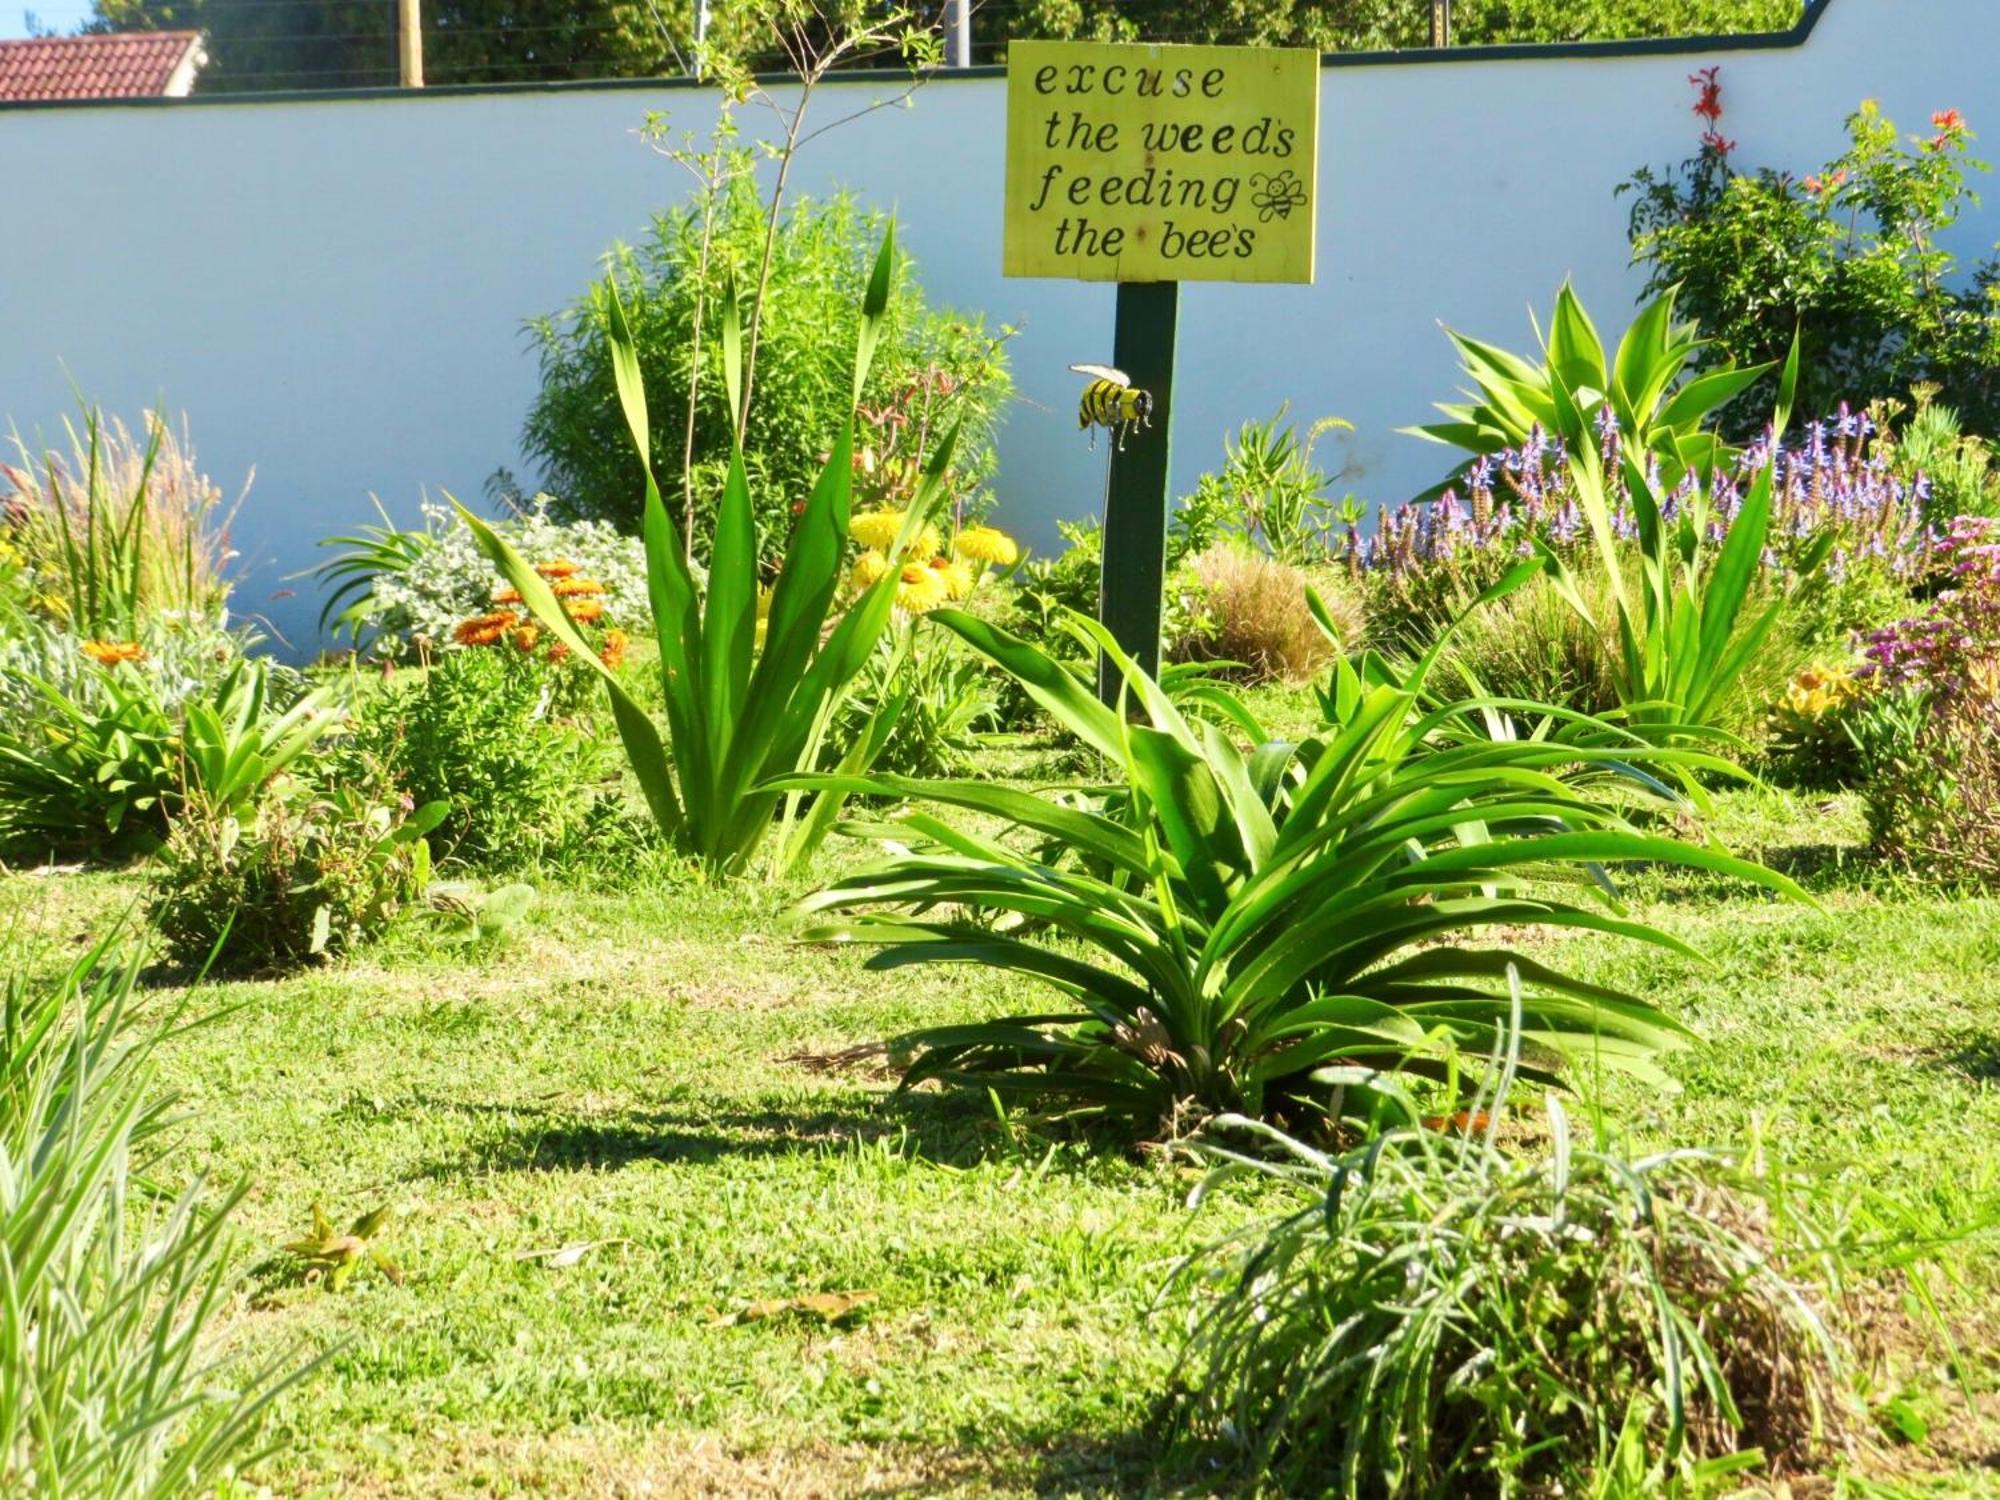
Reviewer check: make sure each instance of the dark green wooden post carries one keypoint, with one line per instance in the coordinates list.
(1135, 507)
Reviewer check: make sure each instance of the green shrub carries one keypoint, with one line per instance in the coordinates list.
(1442, 1316)
(1236, 918)
(481, 732)
(317, 872)
(1956, 470)
(115, 1285)
(1268, 495)
(933, 369)
(1928, 733)
(415, 589)
(100, 766)
(1848, 260)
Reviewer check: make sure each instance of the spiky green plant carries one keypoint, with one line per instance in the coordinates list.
(1234, 911)
(742, 709)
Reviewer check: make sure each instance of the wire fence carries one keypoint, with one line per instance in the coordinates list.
(300, 45)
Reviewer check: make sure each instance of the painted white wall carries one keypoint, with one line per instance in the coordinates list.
(334, 290)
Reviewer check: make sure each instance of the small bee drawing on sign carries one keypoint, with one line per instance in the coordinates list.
(1112, 402)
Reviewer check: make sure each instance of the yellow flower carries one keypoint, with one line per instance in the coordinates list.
(562, 567)
(110, 653)
(525, 636)
(869, 568)
(576, 588)
(583, 611)
(987, 544)
(919, 589)
(955, 575)
(876, 529)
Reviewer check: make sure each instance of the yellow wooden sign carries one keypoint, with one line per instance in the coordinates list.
(1158, 163)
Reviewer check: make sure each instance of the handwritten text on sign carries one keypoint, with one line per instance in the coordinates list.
(1157, 163)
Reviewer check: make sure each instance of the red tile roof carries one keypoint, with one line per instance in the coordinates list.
(118, 65)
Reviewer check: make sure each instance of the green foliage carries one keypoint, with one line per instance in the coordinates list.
(316, 872)
(1240, 919)
(1698, 615)
(1444, 1316)
(1369, 25)
(1933, 447)
(343, 44)
(115, 1285)
(1848, 260)
(742, 709)
(1645, 385)
(483, 732)
(933, 369)
(1269, 494)
(335, 1255)
(99, 768)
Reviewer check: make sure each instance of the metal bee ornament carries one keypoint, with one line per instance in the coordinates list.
(1111, 402)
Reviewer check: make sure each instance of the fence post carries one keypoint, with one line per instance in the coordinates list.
(1440, 23)
(958, 33)
(410, 42)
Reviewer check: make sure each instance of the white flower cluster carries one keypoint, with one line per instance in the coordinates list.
(452, 580)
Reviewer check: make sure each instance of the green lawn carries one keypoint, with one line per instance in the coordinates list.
(648, 1071)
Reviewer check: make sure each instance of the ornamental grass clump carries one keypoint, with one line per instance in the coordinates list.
(1232, 911)
(1471, 1312)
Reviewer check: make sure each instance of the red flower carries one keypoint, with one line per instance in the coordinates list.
(1949, 121)
(1708, 84)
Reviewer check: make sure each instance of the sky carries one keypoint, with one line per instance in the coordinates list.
(58, 15)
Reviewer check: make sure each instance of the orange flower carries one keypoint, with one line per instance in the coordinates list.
(485, 630)
(557, 652)
(507, 596)
(110, 653)
(561, 567)
(525, 636)
(571, 588)
(583, 611)
(615, 642)
(1948, 120)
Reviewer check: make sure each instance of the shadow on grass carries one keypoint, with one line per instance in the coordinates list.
(1820, 869)
(940, 1129)
(1978, 1058)
(1129, 1465)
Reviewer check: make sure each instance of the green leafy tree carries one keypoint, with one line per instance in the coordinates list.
(338, 44)
(1369, 25)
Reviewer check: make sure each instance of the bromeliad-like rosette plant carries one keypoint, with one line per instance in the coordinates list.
(744, 706)
(1235, 911)
(1646, 384)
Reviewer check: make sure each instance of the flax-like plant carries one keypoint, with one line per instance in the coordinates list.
(1696, 622)
(110, 1382)
(1660, 413)
(740, 709)
(1235, 911)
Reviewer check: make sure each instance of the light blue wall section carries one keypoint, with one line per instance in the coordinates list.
(334, 290)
